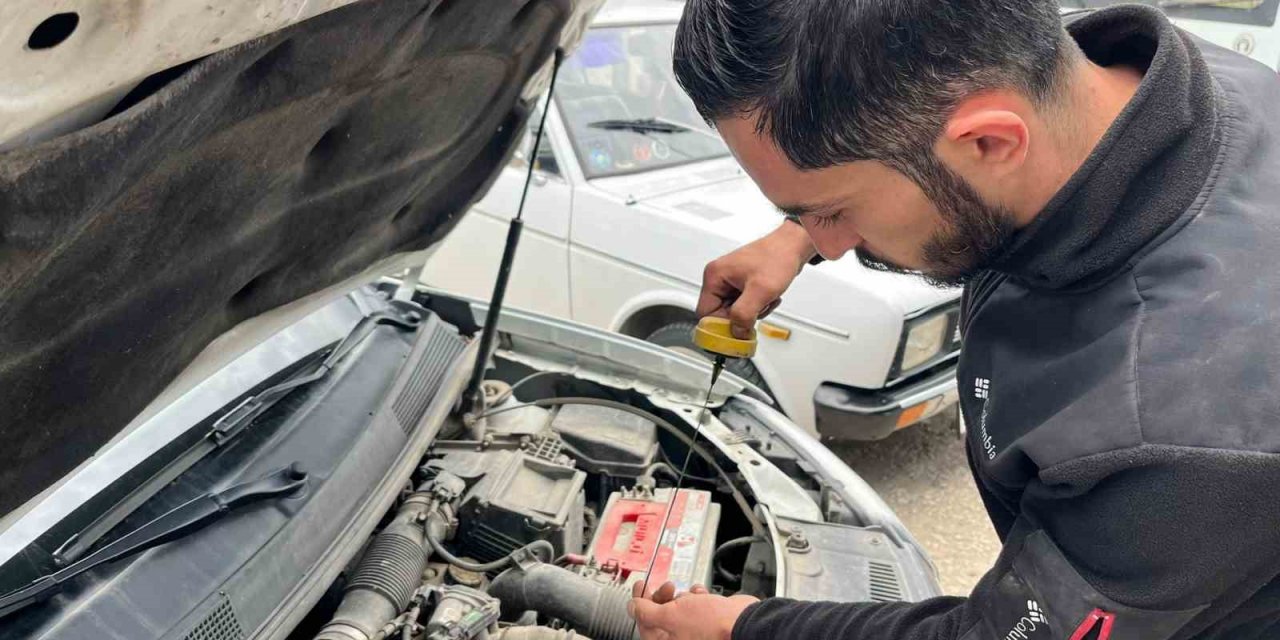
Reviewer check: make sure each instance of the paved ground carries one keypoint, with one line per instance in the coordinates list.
(921, 472)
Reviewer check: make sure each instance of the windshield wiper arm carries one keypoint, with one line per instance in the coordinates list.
(233, 422)
(227, 428)
(640, 125)
(187, 518)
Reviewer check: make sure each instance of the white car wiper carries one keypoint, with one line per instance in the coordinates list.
(187, 518)
(224, 430)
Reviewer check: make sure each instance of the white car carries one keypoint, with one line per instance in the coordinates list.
(1246, 26)
(632, 196)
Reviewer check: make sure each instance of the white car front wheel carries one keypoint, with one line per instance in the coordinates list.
(678, 337)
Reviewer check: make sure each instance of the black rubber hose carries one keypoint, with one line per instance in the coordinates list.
(595, 609)
(732, 544)
(511, 388)
(385, 579)
(537, 633)
(757, 527)
(660, 466)
(548, 552)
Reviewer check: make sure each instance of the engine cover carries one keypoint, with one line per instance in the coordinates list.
(607, 440)
(629, 537)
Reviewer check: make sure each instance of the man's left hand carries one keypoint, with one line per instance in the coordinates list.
(696, 615)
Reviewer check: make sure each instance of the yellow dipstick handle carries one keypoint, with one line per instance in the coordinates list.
(715, 336)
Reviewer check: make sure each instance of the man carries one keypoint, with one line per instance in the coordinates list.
(1109, 194)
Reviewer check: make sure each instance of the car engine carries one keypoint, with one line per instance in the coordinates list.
(535, 523)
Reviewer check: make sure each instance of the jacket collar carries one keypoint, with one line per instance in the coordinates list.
(1144, 174)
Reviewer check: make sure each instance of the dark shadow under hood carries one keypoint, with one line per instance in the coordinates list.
(253, 177)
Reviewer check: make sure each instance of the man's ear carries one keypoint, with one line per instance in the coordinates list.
(987, 134)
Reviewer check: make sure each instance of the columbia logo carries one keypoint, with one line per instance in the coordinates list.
(1027, 625)
(981, 388)
(1035, 613)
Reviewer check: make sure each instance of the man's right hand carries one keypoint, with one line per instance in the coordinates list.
(747, 285)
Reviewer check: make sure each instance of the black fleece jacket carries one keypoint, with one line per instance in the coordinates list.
(1120, 378)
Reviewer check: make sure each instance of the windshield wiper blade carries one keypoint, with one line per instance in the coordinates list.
(187, 518)
(403, 315)
(1247, 5)
(640, 125)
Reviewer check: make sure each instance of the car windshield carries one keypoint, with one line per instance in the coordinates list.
(1252, 12)
(622, 106)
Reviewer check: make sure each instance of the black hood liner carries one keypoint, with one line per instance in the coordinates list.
(262, 174)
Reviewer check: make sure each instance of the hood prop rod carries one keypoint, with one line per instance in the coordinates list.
(474, 396)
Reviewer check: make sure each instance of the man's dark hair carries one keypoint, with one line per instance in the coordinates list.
(835, 81)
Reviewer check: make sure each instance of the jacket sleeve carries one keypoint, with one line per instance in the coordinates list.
(1127, 544)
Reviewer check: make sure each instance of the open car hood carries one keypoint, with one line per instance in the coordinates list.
(264, 151)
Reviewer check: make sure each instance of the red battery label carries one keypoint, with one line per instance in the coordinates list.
(631, 535)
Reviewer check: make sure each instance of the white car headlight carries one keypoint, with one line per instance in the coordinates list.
(924, 341)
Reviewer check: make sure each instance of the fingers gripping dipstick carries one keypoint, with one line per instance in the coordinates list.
(715, 336)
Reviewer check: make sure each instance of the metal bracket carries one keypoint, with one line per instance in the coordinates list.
(525, 559)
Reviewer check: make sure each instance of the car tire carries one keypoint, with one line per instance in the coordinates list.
(678, 336)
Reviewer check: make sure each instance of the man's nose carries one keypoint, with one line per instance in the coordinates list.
(832, 244)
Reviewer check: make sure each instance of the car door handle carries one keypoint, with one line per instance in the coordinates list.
(539, 179)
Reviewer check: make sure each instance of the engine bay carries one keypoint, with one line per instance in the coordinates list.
(529, 514)
(535, 514)
(535, 518)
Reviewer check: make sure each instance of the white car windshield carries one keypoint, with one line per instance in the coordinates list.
(1251, 12)
(623, 108)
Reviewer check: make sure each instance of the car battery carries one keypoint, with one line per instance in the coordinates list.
(630, 536)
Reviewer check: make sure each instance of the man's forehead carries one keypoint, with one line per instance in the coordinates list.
(755, 150)
(792, 190)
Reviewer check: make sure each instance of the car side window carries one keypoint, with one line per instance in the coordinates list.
(545, 159)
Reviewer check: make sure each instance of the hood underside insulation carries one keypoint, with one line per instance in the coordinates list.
(235, 184)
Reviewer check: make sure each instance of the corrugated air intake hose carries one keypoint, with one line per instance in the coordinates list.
(386, 578)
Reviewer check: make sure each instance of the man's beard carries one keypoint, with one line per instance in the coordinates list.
(972, 236)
